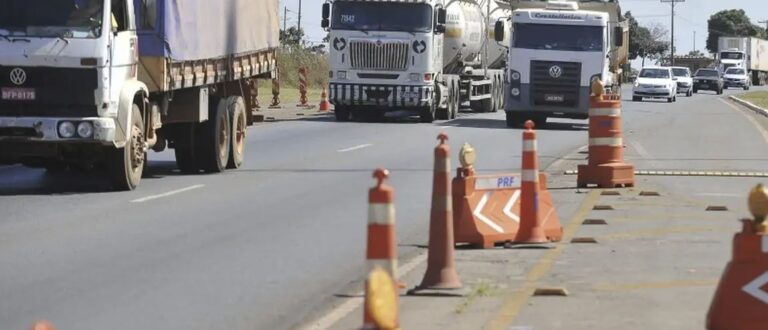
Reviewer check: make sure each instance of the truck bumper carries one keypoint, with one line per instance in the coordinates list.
(524, 102)
(381, 96)
(46, 129)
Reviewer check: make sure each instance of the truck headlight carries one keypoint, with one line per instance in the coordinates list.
(67, 129)
(414, 77)
(85, 130)
(515, 91)
(341, 75)
(515, 75)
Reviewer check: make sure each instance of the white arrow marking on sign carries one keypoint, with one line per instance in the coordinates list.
(477, 213)
(508, 208)
(754, 288)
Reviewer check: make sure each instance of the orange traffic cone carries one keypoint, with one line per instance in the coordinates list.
(382, 248)
(441, 269)
(325, 106)
(531, 227)
(42, 325)
(741, 300)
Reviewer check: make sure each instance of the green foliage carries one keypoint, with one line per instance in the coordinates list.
(645, 42)
(730, 23)
(292, 37)
(291, 59)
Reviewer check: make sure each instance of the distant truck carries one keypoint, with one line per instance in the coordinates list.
(424, 57)
(749, 53)
(96, 83)
(557, 49)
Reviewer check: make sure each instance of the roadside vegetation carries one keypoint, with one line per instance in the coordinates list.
(759, 98)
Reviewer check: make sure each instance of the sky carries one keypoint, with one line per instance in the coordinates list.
(690, 16)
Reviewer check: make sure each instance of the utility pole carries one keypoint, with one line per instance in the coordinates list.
(285, 19)
(672, 43)
(299, 15)
(694, 41)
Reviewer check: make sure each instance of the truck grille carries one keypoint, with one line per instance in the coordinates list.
(366, 55)
(60, 92)
(558, 91)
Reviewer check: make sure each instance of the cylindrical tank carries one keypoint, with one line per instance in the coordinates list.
(497, 51)
(465, 32)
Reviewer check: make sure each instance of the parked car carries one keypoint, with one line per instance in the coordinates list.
(655, 82)
(684, 80)
(736, 77)
(708, 79)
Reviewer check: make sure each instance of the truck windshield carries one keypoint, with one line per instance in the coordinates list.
(731, 55)
(559, 37)
(654, 73)
(46, 18)
(382, 16)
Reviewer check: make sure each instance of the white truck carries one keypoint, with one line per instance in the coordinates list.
(428, 57)
(96, 83)
(556, 50)
(749, 53)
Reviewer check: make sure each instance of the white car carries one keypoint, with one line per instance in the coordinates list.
(655, 82)
(684, 80)
(736, 77)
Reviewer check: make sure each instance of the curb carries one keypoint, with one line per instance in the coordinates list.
(750, 106)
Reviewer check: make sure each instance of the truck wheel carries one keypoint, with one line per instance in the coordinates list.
(443, 114)
(213, 139)
(342, 113)
(500, 94)
(427, 114)
(513, 120)
(126, 165)
(239, 128)
(456, 103)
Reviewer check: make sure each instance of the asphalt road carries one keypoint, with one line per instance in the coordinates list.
(266, 246)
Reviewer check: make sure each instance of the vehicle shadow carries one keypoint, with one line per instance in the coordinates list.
(469, 122)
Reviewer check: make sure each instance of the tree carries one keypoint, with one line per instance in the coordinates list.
(695, 53)
(645, 42)
(730, 23)
(292, 37)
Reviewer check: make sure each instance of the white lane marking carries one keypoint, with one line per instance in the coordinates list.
(477, 213)
(349, 306)
(751, 120)
(643, 153)
(445, 127)
(170, 193)
(355, 147)
(508, 208)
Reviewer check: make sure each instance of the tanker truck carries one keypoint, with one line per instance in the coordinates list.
(423, 57)
(98, 83)
(558, 48)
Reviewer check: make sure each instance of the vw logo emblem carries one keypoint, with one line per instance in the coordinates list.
(18, 76)
(555, 71)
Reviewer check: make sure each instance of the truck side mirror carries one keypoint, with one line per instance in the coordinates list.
(498, 31)
(326, 14)
(618, 36)
(440, 21)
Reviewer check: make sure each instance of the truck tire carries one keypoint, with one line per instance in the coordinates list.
(486, 105)
(444, 114)
(427, 114)
(342, 113)
(126, 165)
(456, 101)
(500, 94)
(213, 139)
(513, 120)
(239, 128)
(184, 148)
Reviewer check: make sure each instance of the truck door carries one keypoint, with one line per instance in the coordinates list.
(125, 48)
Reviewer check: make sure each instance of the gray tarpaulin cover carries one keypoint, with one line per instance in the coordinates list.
(186, 30)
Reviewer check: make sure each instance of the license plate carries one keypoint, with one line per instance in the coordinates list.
(554, 98)
(18, 94)
(704, 86)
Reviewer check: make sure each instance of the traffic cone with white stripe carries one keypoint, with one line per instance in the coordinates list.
(325, 106)
(382, 248)
(531, 227)
(741, 301)
(441, 268)
(606, 167)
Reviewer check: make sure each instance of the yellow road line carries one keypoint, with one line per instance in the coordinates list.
(515, 301)
(656, 285)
